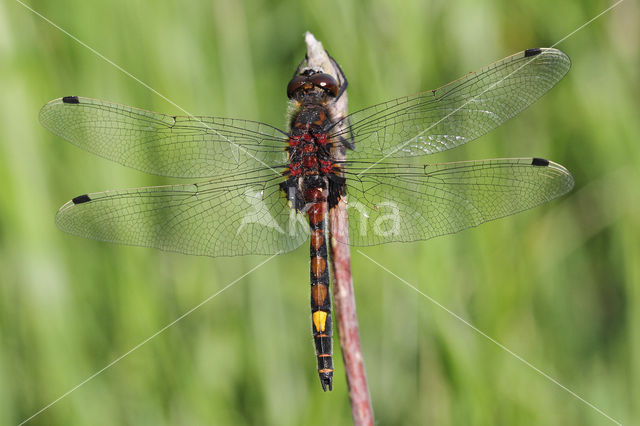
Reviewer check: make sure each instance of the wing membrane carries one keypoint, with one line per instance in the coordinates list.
(222, 218)
(397, 202)
(457, 113)
(176, 146)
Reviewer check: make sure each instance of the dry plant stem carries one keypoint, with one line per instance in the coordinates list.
(346, 318)
(340, 258)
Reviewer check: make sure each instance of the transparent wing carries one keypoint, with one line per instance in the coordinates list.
(457, 113)
(166, 145)
(396, 202)
(246, 214)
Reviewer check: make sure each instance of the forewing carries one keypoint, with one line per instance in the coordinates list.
(394, 202)
(177, 146)
(237, 216)
(457, 113)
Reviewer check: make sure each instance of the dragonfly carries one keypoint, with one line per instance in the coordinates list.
(257, 189)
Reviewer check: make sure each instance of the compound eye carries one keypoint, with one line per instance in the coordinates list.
(296, 83)
(326, 82)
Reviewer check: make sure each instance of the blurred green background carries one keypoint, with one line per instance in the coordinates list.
(558, 285)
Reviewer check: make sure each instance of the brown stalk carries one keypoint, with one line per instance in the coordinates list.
(340, 258)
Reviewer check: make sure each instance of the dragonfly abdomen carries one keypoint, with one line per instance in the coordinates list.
(319, 277)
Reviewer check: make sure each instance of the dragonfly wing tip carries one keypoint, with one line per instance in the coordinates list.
(84, 198)
(539, 162)
(70, 100)
(532, 52)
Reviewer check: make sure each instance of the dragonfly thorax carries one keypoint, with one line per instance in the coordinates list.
(312, 174)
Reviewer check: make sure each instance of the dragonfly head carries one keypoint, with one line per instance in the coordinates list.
(312, 83)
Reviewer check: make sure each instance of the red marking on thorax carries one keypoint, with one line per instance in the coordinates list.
(294, 140)
(307, 159)
(321, 138)
(295, 169)
(326, 166)
(310, 161)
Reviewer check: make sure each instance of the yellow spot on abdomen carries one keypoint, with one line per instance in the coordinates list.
(319, 319)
